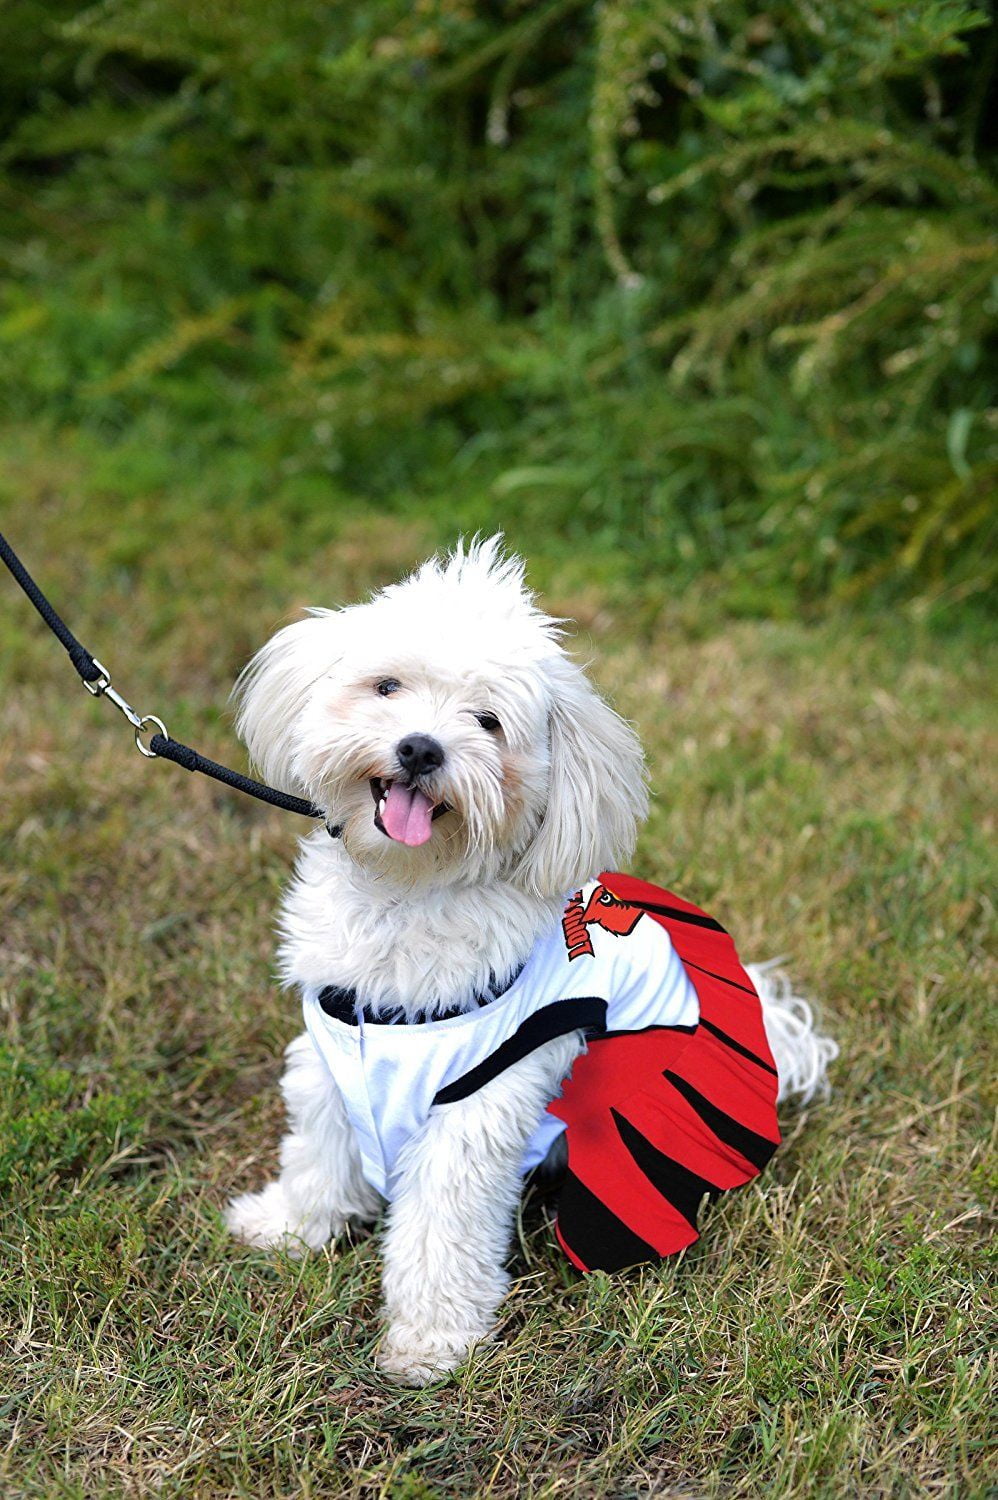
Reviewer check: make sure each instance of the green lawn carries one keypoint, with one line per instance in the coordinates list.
(826, 788)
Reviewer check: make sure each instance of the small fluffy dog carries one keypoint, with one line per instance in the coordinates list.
(463, 969)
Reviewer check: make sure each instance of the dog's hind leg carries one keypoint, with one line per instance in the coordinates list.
(451, 1217)
(321, 1187)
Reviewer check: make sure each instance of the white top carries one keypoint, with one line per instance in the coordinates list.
(390, 1075)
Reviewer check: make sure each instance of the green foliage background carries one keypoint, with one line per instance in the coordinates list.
(706, 288)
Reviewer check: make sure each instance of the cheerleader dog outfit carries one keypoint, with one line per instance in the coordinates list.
(674, 1098)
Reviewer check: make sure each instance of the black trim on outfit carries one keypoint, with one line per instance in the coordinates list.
(343, 1005)
(729, 1041)
(722, 978)
(683, 1188)
(592, 1223)
(676, 914)
(608, 1036)
(755, 1148)
(587, 1013)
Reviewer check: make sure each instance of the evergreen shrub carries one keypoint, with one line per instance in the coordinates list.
(710, 283)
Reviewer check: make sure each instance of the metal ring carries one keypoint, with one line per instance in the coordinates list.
(103, 682)
(149, 719)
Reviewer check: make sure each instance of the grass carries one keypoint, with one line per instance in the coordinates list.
(827, 789)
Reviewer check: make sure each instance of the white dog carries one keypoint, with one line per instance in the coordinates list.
(473, 780)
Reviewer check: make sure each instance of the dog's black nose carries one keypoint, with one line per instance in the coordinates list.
(419, 754)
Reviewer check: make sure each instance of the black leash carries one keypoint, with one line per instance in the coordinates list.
(97, 681)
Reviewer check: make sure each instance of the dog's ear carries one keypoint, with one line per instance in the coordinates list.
(273, 690)
(596, 798)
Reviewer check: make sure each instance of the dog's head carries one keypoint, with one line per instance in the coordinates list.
(443, 728)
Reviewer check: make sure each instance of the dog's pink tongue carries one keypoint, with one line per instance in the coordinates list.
(408, 815)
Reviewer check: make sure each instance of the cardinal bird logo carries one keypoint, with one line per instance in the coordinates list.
(603, 909)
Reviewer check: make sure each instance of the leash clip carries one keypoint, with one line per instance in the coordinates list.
(102, 688)
(95, 689)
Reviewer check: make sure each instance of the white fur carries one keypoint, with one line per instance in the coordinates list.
(449, 1225)
(538, 807)
(321, 1188)
(801, 1054)
(559, 793)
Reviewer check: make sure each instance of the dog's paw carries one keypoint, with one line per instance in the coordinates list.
(409, 1357)
(265, 1220)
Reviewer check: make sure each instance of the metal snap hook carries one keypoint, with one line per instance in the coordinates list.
(103, 682)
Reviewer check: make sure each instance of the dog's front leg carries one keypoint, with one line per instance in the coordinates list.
(321, 1187)
(450, 1222)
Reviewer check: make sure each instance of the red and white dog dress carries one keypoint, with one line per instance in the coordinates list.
(674, 1098)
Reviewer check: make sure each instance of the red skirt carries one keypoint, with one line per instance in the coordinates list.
(659, 1119)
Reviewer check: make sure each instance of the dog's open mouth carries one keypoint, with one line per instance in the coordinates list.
(403, 812)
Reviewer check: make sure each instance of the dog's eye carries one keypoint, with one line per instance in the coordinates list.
(387, 686)
(489, 722)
